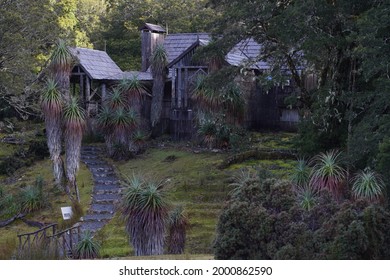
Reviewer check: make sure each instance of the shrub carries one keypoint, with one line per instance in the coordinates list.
(177, 229)
(145, 210)
(87, 248)
(367, 184)
(32, 199)
(328, 173)
(266, 221)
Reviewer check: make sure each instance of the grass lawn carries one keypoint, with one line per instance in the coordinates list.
(196, 182)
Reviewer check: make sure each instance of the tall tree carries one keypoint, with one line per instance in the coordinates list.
(26, 32)
(126, 16)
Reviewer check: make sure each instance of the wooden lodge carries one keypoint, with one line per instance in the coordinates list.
(96, 72)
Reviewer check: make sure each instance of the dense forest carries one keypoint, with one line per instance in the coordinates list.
(344, 120)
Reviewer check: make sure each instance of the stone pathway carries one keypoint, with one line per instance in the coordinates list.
(106, 190)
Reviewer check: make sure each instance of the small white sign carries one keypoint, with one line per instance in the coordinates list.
(66, 212)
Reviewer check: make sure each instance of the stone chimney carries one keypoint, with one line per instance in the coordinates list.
(151, 35)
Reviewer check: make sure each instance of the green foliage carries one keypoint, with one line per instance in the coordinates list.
(145, 210)
(328, 172)
(31, 199)
(10, 206)
(87, 248)
(124, 17)
(177, 229)
(300, 176)
(25, 46)
(268, 221)
(367, 184)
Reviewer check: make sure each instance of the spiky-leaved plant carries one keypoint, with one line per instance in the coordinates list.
(177, 230)
(52, 107)
(368, 185)
(328, 173)
(87, 248)
(104, 119)
(123, 122)
(207, 99)
(145, 210)
(117, 99)
(134, 91)
(300, 176)
(158, 65)
(306, 196)
(61, 64)
(74, 120)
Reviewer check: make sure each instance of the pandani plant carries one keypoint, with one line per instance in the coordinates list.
(145, 210)
(52, 107)
(328, 173)
(368, 185)
(177, 231)
(74, 121)
(158, 64)
(61, 64)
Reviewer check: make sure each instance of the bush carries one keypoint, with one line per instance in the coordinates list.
(87, 248)
(266, 220)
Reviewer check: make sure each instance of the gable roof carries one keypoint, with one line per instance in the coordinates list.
(247, 51)
(97, 64)
(176, 44)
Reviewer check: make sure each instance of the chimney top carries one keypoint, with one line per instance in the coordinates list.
(152, 28)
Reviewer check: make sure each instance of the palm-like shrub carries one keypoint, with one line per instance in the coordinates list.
(158, 65)
(32, 199)
(306, 197)
(241, 179)
(368, 185)
(123, 122)
(52, 107)
(134, 91)
(117, 99)
(61, 64)
(208, 131)
(328, 173)
(300, 176)
(87, 248)
(74, 119)
(177, 229)
(145, 211)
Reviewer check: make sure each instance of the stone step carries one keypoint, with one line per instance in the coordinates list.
(106, 180)
(101, 189)
(91, 148)
(106, 198)
(93, 162)
(101, 168)
(103, 174)
(98, 217)
(92, 226)
(101, 208)
(89, 156)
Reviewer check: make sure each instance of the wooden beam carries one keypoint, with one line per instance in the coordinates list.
(179, 85)
(104, 92)
(185, 91)
(173, 93)
(82, 88)
(87, 95)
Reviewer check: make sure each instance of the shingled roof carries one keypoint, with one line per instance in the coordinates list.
(247, 51)
(177, 44)
(97, 64)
